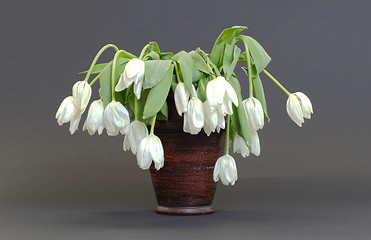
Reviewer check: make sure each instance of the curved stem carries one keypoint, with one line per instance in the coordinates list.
(143, 51)
(135, 108)
(113, 70)
(203, 86)
(248, 61)
(276, 82)
(176, 71)
(96, 59)
(227, 137)
(94, 80)
(153, 124)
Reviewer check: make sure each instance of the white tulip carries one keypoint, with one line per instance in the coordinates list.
(181, 97)
(194, 117)
(133, 73)
(305, 103)
(137, 131)
(211, 119)
(94, 120)
(116, 119)
(221, 121)
(221, 94)
(81, 93)
(255, 143)
(226, 170)
(68, 112)
(254, 111)
(239, 146)
(150, 149)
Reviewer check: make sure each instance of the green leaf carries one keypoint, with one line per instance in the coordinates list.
(227, 36)
(152, 56)
(259, 55)
(166, 55)
(186, 68)
(141, 102)
(157, 96)
(96, 69)
(154, 72)
(201, 88)
(163, 112)
(230, 59)
(199, 63)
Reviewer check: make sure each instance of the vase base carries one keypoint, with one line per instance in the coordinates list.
(184, 210)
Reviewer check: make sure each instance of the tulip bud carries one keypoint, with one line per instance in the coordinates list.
(116, 119)
(254, 111)
(306, 105)
(239, 146)
(226, 170)
(137, 131)
(94, 120)
(294, 109)
(68, 112)
(133, 73)
(221, 94)
(81, 93)
(194, 118)
(181, 97)
(150, 149)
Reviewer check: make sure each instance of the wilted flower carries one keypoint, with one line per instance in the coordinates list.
(240, 146)
(133, 73)
(150, 149)
(137, 131)
(211, 119)
(255, 143)
(221, 92)
(254, 111)
(181, 97)
(299, 106)
(81, 93)
(194, 117)
(116, 119)
(226, 170)
(68, 112)
(94, 120)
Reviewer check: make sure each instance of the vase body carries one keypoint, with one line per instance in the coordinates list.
(185, 185)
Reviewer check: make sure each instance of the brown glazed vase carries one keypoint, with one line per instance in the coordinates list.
(185, 185)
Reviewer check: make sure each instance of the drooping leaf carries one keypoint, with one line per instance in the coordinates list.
(152, 56)
(199, 63)
(166, 55)
(226, 37)
(185, 63)
(153, 47)
(158, 94)
(230, 59)
(154, 72)
(260, 57)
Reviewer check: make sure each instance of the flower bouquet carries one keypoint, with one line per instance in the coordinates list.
(135, 93)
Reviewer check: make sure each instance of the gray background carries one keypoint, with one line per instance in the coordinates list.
(309, 183)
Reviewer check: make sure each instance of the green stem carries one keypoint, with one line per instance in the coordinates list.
(203, 86)
(177, 71)
(113, 70)
(276, 82)
(153, 124)
(135, 108)
(143, 51)
(248, 61)
(94, 80)
(227, 137)
(96, 59)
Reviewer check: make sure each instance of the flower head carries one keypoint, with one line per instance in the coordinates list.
(81, 93)
(211, 119)
(239, 146)
(220, 93)
(254, 111)
(181, 97)
(194, 117)
(137, 131)
(94, 120)
(150, 149)
(299, 106)
(68, 112)
(226, 170)
(116, 119)
(133, 73)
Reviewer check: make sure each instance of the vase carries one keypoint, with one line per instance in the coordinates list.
(185, 185)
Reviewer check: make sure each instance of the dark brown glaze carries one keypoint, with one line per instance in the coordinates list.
(185, 185)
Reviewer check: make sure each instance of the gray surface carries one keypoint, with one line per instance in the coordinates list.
(309, 183)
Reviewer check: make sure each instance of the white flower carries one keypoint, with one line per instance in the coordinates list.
(194, 117)
(181, 97)
(94, 120)
(150, 149)
(68, 112)
(221, 92)
(116, 119)
(81, 93)
(137, 131)
(239, 146)
(254, 111)
(299, 106)
(255, 142)
(221, 121)
(226, 170)
(133, 73)
(211, 119)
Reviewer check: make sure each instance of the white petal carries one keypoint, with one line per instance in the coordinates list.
(294, 110)
(305, 103)
(138, 88)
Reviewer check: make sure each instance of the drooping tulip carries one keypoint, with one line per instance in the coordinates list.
(254, 111)
(194, 117)
(255, 143)
(220, 93)
(150, 149)
(211, 119)
(239, 146)
(137, 131)
(68, 112)
(181, 97)
(94, 120)
(305, 103)
(116, 119)
(226, 170)
(81, 93)
(133, 73)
